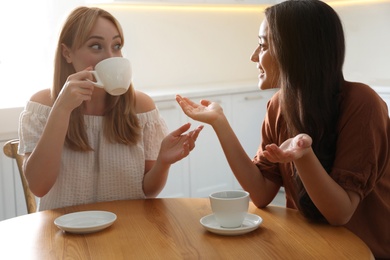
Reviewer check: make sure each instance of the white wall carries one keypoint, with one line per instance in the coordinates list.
(367, 34)
(179, 47)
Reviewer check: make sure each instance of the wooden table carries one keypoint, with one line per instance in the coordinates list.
(170, 229)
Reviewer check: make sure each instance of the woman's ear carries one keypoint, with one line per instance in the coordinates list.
(66, 53)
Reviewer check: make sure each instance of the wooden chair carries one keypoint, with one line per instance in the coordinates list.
(11, 150)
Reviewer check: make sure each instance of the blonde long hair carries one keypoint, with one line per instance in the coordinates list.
(120, 120)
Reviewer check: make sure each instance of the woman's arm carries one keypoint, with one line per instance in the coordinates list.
(336, 204)
(41, 166)
(262, 191)
(174, 147)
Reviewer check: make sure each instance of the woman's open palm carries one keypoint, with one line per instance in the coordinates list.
(206, 111)
(289, 150)
(179, 144)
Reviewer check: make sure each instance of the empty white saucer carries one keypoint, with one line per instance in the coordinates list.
(251, 222)
(85, 221)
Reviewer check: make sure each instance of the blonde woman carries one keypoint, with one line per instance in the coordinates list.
(82, 145)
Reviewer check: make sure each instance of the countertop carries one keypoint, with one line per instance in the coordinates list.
(199, 90)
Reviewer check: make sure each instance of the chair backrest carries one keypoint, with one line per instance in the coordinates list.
(11, 150)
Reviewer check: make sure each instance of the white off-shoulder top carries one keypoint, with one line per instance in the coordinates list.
(109, 172)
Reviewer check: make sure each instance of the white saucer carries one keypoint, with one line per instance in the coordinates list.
(251, 222)
(85, 221)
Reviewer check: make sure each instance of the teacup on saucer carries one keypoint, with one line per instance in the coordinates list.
(250, 223)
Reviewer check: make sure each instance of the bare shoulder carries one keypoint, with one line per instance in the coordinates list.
(43, 97)
(144, 102)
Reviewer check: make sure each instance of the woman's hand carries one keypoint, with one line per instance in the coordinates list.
(76, 90)
(290, 150)
(206, 112)
(178, 145)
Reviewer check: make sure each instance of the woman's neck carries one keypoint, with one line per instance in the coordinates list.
(97, 105)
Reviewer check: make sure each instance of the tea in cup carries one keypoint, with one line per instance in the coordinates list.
(230, 207)
(113, 75)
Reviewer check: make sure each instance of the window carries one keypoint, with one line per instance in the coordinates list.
(29, 31)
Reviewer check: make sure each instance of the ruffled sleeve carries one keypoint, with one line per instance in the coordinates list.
(31, 124)
(154, 131)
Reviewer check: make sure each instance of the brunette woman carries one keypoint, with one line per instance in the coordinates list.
(326, 140)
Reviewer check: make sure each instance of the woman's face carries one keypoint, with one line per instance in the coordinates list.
(268, 69)
(104, 41)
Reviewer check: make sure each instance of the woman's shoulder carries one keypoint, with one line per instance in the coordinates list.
(144, 103)
(358, 92)
(42, 97)
(358, 87)
(357, 96)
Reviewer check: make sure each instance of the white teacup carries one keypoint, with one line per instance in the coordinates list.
(230, 207)
(114, 75)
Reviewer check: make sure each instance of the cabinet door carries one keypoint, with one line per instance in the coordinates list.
(178, 184)
(248, 112)
(209, 170)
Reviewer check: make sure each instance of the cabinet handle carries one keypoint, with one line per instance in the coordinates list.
(166, 107)
(252, 97)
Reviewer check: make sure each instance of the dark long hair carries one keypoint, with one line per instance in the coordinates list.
(307, 40)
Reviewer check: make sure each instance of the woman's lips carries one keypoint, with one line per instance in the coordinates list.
(262, 73)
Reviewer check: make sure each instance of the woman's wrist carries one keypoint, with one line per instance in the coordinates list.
(220, 123)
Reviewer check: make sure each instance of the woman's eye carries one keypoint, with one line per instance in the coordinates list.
(95, 46)
(262, 46)
(118, 47)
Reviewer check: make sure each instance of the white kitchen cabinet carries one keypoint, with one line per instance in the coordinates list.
(178, 183)
(209, 170)
(206, 169)
(248, 112)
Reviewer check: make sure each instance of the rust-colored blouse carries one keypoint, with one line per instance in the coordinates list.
(362, 162)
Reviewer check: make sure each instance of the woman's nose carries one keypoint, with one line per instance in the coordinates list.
(110, 54)
(255, 55)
